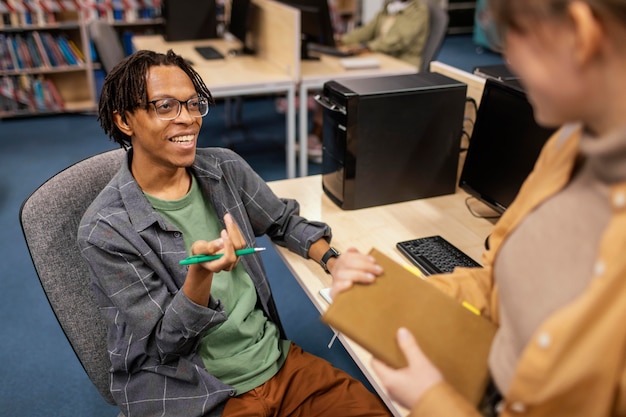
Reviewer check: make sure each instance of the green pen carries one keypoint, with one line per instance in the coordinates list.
(196, 259)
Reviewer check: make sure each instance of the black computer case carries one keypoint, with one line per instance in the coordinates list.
(391, 139)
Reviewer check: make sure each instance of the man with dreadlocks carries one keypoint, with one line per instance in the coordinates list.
(203, 339)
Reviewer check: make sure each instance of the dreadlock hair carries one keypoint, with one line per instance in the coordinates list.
(125, 89)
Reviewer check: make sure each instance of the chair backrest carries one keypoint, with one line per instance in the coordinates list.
(438, 22)
(50, 217)
(107, 43)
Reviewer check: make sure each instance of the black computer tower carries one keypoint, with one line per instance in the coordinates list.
(189, 20)
(391, 139)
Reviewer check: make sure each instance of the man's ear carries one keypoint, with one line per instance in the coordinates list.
(588, 32)
(122, 123)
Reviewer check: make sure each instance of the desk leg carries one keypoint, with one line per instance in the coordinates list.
(291, 132)
(304, 130)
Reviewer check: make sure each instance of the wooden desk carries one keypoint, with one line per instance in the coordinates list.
(313, 75)
(228, 77)
(273, 69)
(379, 227)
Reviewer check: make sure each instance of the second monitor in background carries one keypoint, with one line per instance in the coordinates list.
(315, 24)
(189, 20)
(239, 25)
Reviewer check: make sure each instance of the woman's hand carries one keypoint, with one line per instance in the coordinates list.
(407, 385)
(352, 267)
(354, 49)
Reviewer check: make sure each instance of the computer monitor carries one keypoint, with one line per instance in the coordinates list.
(504, 146)
(239, 24)
(315, 23)
(189, 20)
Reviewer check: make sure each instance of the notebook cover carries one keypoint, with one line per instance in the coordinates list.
(455, 339)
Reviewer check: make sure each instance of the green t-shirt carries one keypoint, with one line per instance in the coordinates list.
(245, 350)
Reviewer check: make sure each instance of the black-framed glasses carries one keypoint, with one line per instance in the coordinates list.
(169, 108)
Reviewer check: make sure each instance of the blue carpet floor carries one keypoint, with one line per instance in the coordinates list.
(40, 375)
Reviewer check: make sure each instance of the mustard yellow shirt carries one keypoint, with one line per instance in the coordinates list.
(574, 364)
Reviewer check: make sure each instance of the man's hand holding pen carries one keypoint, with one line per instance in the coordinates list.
(226, 245)
(197, 286)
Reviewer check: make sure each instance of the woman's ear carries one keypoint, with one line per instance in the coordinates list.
(122, 123)
(588, 32)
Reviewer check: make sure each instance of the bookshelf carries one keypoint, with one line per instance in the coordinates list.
(45, 59)
(127, 17)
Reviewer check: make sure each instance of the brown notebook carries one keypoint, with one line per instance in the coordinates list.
(454, 338)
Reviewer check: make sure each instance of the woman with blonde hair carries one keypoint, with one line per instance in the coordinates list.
(554, 278)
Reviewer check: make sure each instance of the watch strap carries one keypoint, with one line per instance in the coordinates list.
(330, 253)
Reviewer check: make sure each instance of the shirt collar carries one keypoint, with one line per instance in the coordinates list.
(606, 155)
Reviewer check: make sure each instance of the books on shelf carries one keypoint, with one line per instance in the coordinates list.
(11, 16)
(36, 49)
(45, 60)
(20, 13)
(44, 46)
(127, 11)
(27, 93)
(6, 60)
(70, 51)
(47, 10)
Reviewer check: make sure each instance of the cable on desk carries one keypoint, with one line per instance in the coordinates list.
(466, 130)
(473, 213)
(473, 102)
(464, 133)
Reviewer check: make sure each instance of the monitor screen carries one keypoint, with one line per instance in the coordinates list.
(315, 23)
(239, 22)
(504, 146)
(189, 20)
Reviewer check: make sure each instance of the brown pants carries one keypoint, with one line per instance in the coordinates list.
(307, 386)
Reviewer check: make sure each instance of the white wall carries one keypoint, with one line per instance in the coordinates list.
(369, 8)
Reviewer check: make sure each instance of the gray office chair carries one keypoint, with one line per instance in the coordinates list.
(438, 21)
(107, 43)
(49, 219)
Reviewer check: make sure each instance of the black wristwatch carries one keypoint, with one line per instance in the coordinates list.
(330, 253)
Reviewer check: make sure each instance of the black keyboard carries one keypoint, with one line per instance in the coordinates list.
(327, 50)
(435, 255)
(208, 52)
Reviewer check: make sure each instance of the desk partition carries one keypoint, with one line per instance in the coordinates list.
(275, 32)
(475, 84)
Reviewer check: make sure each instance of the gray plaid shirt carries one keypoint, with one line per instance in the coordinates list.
(153, 328)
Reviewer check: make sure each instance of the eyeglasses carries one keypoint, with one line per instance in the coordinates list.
(169, 108)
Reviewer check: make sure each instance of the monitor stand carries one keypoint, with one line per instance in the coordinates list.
(241, 51)
(305, 54)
